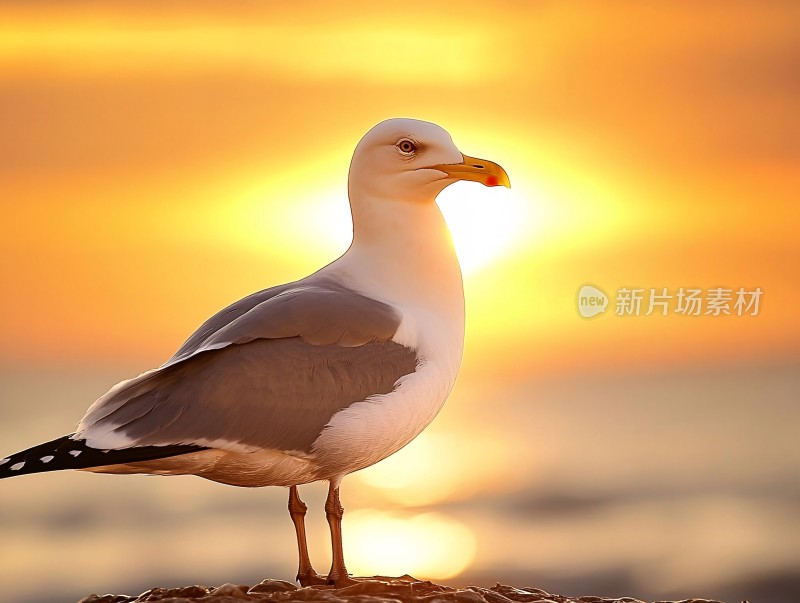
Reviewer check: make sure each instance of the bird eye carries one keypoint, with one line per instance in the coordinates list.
(407, 147)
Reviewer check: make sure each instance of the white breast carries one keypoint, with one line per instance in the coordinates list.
(369, 431)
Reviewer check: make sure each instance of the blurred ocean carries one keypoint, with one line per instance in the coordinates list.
(653, 485)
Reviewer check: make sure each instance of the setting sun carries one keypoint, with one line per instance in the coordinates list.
(485, 224)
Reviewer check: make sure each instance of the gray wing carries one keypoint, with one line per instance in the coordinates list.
(270, 377)
(226, 316)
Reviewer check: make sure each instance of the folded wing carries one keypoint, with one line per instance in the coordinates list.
(267, 372)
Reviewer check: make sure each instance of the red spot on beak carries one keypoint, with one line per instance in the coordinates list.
(492, 181)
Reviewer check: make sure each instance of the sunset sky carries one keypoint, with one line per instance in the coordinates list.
(161, 160)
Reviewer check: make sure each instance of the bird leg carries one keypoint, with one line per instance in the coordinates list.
(297, 510)
(334, 512)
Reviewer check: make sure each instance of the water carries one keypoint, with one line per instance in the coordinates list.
(657, 485)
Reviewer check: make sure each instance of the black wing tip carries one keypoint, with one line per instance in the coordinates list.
(68, 453)
(33, 460)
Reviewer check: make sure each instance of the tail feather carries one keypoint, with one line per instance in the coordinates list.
(66, 453)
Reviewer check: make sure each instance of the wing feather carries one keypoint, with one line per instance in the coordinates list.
(271, 377)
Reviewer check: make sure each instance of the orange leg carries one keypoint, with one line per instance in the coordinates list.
(334, 512)
(297, 510)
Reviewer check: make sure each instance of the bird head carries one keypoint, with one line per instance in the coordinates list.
(413, 161)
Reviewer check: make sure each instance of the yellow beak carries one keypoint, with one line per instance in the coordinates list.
(477, 170)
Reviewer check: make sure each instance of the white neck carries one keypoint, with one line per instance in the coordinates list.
(403, 252)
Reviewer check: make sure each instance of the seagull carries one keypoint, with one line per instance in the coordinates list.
(310, 380)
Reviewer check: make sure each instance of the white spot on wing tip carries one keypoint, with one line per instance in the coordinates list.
(17, 466)
(74, 452)
(46, 459)
(4, 461)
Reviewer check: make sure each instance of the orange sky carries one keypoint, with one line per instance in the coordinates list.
(158, 161)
